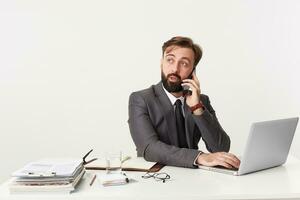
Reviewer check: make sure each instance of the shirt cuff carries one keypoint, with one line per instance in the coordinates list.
(195, 161)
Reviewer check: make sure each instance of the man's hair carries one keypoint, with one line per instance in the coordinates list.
(184, 42)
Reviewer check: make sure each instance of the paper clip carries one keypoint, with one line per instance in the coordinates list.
(41, 174)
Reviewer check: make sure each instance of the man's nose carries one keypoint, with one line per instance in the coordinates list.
(175, 67)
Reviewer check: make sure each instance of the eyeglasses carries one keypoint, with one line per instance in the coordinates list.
(86, 155)
(157, 176)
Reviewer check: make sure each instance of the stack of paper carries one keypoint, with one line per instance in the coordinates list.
(48, 175)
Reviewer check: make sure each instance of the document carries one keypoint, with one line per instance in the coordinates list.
(38, 187)
(48, 175)
(49, 168)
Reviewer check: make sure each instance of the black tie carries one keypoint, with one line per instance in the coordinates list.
(180, 125)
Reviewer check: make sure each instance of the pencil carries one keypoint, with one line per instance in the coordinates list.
(93, 180)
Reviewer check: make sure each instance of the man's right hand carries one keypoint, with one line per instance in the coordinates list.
(224, 159)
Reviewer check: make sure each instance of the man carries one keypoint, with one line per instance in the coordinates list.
(166, 124)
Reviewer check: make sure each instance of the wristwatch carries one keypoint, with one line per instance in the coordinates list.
(198, 105)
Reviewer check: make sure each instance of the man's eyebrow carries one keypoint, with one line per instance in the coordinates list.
(170, 55)
(186, 58)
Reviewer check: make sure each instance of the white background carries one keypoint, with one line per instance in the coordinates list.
(67, 69)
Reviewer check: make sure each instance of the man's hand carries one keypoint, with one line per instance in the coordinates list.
(194, 85)
(193, 99)
(224, 159)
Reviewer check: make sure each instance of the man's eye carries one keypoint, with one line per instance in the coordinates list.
(170, 60)
(184, 64)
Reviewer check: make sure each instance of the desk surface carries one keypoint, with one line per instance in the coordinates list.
(277, 183)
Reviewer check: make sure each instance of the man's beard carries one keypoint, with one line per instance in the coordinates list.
(171, 86)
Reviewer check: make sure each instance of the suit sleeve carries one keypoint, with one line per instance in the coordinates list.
(213, 135)
(146, 139)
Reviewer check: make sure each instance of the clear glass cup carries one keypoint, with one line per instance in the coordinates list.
(113, 162)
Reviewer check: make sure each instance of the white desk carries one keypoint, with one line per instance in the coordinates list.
(277, 183)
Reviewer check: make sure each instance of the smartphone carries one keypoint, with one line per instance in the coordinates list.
(186, 90)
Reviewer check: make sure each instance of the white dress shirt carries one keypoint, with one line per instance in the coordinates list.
(173, 99)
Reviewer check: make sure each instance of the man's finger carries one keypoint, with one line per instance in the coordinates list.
(190, 85)
(223, 163)
(225, 157)
(189, 81)
(233, 158)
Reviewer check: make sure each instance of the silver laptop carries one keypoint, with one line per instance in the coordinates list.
(268, 146)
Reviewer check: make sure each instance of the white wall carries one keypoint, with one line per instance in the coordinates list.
(68, 67)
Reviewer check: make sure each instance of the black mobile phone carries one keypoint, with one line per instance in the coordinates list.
(186, 90)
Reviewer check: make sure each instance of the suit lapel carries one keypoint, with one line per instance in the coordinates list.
(168, 111)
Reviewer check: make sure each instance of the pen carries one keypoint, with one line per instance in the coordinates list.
(93, 180)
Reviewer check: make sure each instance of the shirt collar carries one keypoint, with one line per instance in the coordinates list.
(172, 98)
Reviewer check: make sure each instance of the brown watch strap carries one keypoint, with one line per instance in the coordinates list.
(198, 105)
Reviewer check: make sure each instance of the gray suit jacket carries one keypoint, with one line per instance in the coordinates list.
(153, 128)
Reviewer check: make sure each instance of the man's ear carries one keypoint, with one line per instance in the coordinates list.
(161, 63)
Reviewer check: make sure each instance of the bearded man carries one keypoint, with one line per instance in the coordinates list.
(167, 122)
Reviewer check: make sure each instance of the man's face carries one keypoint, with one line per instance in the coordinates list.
(177, 64)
